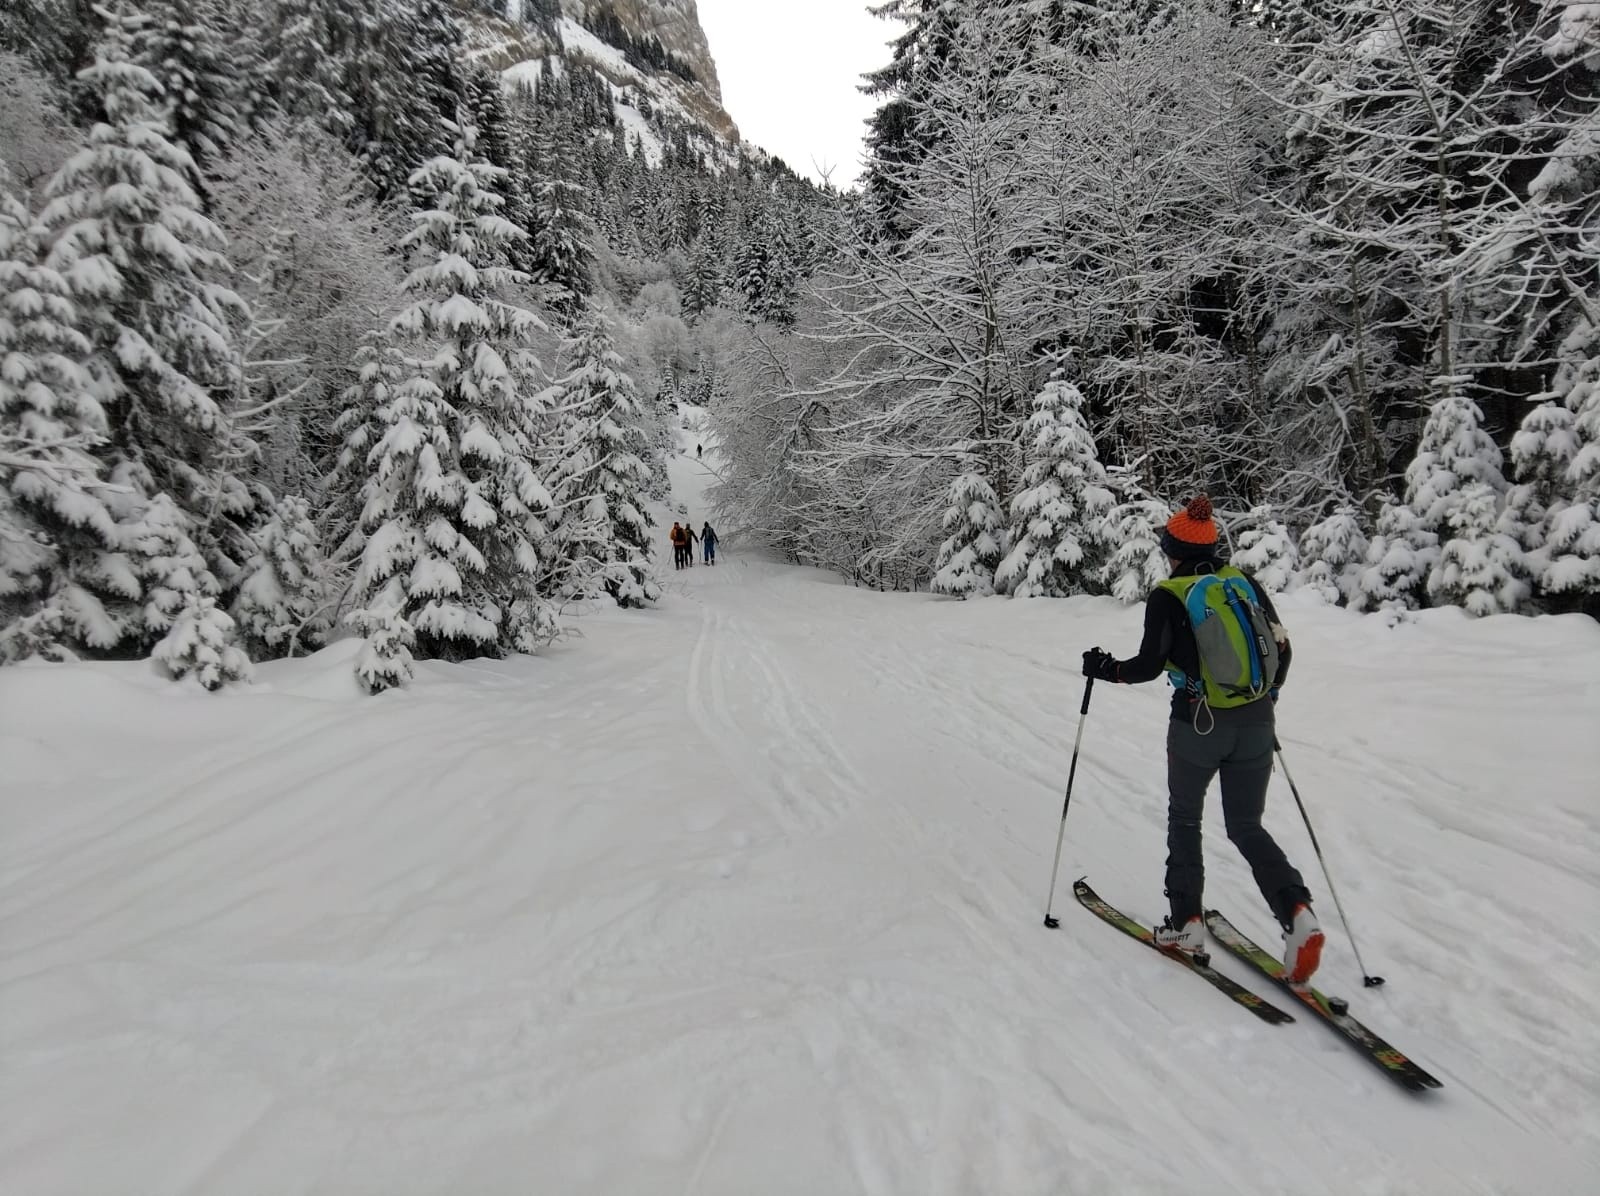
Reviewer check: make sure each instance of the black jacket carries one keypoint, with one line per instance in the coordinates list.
(1168, 636)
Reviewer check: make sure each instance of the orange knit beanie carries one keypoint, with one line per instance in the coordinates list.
(1192, 532)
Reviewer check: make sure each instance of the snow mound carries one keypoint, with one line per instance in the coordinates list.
(327, 675)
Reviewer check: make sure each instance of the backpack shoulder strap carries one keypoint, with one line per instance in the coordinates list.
(1195, 601)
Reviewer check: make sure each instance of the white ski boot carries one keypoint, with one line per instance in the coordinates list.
(1302, 946)
(1190, 938)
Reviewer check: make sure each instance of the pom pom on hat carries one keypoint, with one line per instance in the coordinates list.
(1192, 532)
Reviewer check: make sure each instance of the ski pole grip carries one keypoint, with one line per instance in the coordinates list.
(1088, 688)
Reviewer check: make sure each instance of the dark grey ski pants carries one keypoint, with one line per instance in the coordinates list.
(1239, 746)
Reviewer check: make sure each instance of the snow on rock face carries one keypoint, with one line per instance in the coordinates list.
(676, 23)
(519, 51)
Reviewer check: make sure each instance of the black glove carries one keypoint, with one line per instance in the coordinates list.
(1100, 665)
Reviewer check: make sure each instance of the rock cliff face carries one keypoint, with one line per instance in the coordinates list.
(515, 37)
(676, 23)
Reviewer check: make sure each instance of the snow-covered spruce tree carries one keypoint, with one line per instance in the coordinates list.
(1541, 453)
(1399, 559)
(1481, 567)
(560, 248)
(188, 47)
(454, 508)
(385, 660)
(1571, 556)
(64, 587)
(281, 598)
(1333, 554)
(360, 426)
(180, 600)
(1137, 564)
(1058, 535)
(602, 480)
(1453, 453)
(976, 539)
(148, 273)
(1266, 550)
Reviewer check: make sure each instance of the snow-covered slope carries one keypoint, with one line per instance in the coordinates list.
(743, 895)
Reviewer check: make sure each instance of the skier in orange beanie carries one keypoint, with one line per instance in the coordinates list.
(1225, 687)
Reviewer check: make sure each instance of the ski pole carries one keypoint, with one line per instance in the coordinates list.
(1050, 920)
(1367, 978)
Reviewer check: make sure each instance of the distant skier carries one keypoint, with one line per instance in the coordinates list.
(698, 450)
(708, 543)
(680, 545)
(689, 539)
(1225, 687)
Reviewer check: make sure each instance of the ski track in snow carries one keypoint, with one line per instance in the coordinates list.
(743, 894)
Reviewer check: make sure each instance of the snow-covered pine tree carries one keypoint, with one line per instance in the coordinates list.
(601, 483)
(385, 660)
(455, 510)
(147, 273)
(305, 44)
(180, 600)
(187, 46)
(1058, 534)
(280, 600)
(1266, 550)
(975, 541)
(1571, 557)
(1399, 559)
(706, 278)
(1333, 554)
(1453, 453)
(1541, 453)
(1137, 564)
(1455, 458)
(560, 248)
(1481, 567)
(360, 427)
(64, 585)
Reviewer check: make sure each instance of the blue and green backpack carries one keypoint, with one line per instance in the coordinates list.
(1238, 654)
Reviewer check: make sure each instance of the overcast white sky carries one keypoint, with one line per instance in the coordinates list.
(789, 71)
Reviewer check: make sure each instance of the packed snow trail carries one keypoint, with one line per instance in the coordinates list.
(744, 894)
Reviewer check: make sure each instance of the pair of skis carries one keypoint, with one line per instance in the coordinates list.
(1331, 1010)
